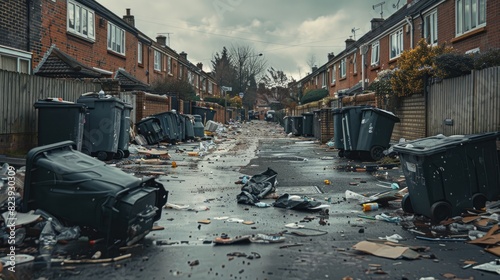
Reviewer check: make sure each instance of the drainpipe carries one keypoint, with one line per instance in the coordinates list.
(364, 50)
(28, 35)
(409, 20)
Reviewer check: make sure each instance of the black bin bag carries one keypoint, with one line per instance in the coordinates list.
(81, 190)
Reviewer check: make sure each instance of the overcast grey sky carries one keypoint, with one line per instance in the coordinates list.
(286, 32)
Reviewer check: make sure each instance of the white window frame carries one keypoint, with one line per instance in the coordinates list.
(431, 28)
(116, 39)
(210, 87)
(342, 68)
(323, 80)
(469, 15)
(396, 44)
(169, 65)
(19, 56)
(334, 74)
(157, 60)
(375, 59)
(83, 20)
(180, 71)
(140, 53)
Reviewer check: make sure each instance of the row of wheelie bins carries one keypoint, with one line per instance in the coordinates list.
(362, 131)
(446, 175)
(98, 125)
(299, 125)
(170, 127)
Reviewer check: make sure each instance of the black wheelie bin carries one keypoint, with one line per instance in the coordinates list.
(102, 125)
(307, 124)
(82, 191)
(447, 174)
(375, 132)
(124, 138)
(60, 120)
(150, 128)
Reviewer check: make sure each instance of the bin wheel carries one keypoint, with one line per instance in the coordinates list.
(341, 153)
(102, 155)
(440, 211)
(377, 153)
(479, 201)
(119, 154)
(406, 204)
(127, 153)
(347, 154)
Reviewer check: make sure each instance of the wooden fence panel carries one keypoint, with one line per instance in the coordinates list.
(486, 100)
(465, 105)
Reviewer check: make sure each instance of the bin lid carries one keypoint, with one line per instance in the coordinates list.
(148, 119)
(51, 103)
(91, 100)
(440, 143)
(387, 114)
(307, 114)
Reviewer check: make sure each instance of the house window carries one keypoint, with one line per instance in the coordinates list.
(334, 74)
(169, 65)
(190, 78)
(210, 87)
(157, 58)
(342, 68)
(430, 28)
(471, 14)
(204, 85)
(375, 53)
(316, 80)
(116, 39)
(180, 72)
(139, 53)
(323, 83)
(355, 63)
(80, 20)
(16, 61)
(396, 44)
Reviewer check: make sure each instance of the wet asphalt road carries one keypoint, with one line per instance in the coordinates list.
(183, 250)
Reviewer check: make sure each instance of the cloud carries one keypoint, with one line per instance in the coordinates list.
(287, 32)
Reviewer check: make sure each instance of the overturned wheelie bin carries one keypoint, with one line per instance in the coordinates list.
(82, 191)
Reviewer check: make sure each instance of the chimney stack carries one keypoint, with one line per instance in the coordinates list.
(128, 18)
(183, 55)
(349, 42)
(162, 40)
(330, 56)
(199, 65)
(314, 68)
(376, 23)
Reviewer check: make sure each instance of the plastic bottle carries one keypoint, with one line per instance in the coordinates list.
(370, 206)
(47, 242)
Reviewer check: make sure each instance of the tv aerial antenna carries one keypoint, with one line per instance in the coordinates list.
(353, 31)
(396, 6)
(381, 5)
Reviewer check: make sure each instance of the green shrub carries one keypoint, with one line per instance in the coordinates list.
(488, 59)
(314, 95)
(450, 65)
(217, 100)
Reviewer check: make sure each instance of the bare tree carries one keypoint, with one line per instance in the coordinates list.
(248, 65)
(311, 60)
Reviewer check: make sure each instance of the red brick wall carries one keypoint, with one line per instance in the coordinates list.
(94, 54)
(149, 104)
(482, 38)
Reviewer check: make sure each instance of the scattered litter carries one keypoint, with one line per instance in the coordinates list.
(266, 238)
(204, 222)
(248, 222)
(387, 218)
(235, 220)
(220, 218)
(493, 266)
(385, 251)
(294, 225)
(225, 240)
(393, 238)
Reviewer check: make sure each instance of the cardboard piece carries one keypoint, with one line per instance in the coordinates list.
(381, 250)
(490, 238)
